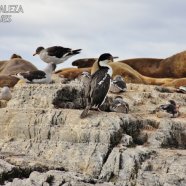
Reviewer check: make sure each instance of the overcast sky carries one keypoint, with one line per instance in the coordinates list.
(125, 28)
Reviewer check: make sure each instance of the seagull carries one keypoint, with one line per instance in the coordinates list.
(118, 105)
(171, 108)
(118, 85)
(5, 93)
(55, 54)
(38, 76)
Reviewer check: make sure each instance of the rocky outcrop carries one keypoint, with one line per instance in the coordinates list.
(44, 145)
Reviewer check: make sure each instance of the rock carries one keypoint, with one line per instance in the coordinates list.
(126, 140)
(3, 103)
(5, 168)
(48, 146)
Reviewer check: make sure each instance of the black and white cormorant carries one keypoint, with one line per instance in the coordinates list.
(55, 54)
(99, 84)
(38, 76)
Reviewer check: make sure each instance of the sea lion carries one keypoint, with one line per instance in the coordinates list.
(15, 65)
(173, 66)
(72, 73)
(8, 80)
(15, 56)
(132, 76)
(84, 63)
(127, 72)
(176, 83)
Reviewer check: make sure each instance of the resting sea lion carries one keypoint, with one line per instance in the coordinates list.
(84, 63)
(72, 73)
(171, 67)
(8, 80)
(15, 65)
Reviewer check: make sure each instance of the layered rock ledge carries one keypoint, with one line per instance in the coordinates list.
(41, 144)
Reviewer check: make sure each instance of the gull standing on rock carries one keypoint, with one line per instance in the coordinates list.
(99, 84)
(5, 93)
(38, 76)
(55, 54)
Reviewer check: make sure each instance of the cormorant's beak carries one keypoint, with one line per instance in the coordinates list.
(114, 57)
(34, 54)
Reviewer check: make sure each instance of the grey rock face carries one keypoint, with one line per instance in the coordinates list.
(44, 145)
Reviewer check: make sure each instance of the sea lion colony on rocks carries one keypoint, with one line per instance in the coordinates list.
(97, 85)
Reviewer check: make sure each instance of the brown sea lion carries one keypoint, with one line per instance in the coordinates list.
(127, 72)
(72, 73)
(15, 56)
(8, 80)
(84, 63)
(173, 67)
(15, 65)
(176, 83)
(131, 75)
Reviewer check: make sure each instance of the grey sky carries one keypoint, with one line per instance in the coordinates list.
(125, 28)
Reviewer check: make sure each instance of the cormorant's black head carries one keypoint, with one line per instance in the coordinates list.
(172, 102)
(105, 58)
(38, 50)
